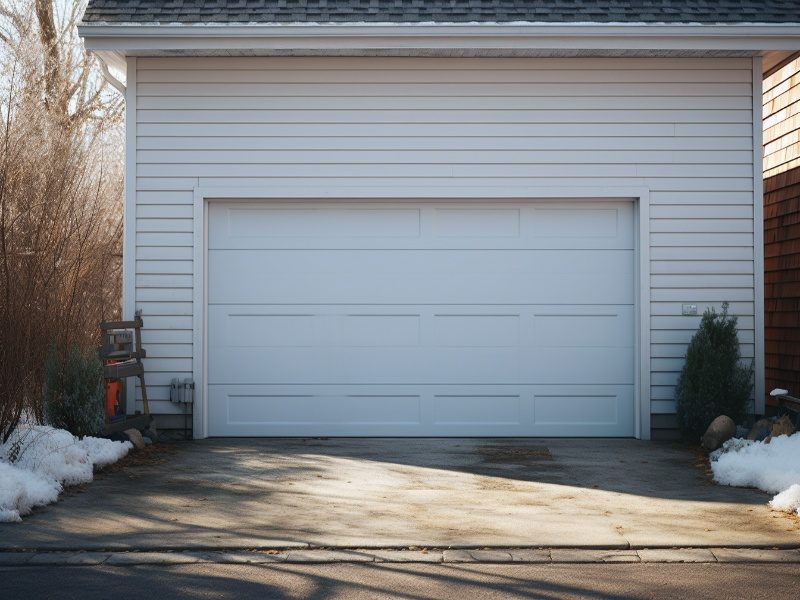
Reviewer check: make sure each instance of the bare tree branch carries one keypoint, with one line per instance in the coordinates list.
(54, 98)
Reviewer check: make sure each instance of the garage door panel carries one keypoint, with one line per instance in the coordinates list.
(476, 409)
(287, 326)
(421, 365)
(402, 225)
(507, 410)
(342, 326)
(320, 222)
(262, 407)
(421, 277)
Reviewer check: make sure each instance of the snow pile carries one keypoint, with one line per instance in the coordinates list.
(788, 500)
(103, 452)
(37, 461)
(20, 490)
(773, 467)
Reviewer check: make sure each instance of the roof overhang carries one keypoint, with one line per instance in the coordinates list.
(115, 41)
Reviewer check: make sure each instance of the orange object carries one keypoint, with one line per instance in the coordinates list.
(113, 396)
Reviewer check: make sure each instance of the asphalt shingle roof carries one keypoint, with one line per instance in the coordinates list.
(443, 11)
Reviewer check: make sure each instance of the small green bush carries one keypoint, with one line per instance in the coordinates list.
(713, 381)
(73, 392)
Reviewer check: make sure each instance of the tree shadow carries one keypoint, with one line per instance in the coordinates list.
(423, 582)
(249, 493)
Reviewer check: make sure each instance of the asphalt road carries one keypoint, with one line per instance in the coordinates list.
(356, 582)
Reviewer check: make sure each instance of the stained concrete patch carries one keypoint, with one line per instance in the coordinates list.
(506, 453)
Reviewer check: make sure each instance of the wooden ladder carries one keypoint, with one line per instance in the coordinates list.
(124, 362)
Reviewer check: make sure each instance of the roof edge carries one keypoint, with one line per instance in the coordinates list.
(371, 36)
(427, 24)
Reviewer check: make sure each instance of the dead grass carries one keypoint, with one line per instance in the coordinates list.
(152, 455)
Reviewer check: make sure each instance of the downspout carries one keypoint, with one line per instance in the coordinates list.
(109, 77)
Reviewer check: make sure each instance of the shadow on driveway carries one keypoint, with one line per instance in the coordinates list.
(397, 492)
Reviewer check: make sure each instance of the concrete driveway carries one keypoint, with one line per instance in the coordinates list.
(367, 493)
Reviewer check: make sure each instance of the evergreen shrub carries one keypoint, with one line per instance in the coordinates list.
(713, 381)
(73, 392)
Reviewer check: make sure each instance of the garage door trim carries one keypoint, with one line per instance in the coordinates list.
(639, 196)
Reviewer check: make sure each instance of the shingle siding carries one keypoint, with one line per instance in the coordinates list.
(782, 227)
(442, 11)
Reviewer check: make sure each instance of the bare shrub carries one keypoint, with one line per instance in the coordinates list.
(60, 198)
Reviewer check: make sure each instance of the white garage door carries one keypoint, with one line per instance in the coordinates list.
(410, 318)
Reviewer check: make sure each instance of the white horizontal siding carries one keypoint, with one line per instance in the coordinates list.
(652, 145)
(680, 127)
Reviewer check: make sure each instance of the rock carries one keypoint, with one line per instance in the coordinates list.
(147, 440)
(135, 436)
(151, 433)
(760, 430)
(782, 426)
(720, 431)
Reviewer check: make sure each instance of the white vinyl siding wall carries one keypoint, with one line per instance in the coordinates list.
(683, 128)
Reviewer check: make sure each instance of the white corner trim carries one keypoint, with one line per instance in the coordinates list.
(642, 308)
(640, 196)
(199, 317)
(385, 36)
(758, 235)
(129, 217)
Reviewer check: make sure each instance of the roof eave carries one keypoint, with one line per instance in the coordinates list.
(130, 38)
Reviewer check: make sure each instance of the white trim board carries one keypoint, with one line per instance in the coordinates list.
(640, 196)
(758, 235)
(129, 219)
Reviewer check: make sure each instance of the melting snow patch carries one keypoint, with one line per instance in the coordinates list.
(37, 461)
(787, 500)
(103, 452)
(773, 467)
(21, 490)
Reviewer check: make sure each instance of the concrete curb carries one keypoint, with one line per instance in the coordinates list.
(414, 555)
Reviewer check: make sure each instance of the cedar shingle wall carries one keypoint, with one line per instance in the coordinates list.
(782, 227)
(782, 279)
(782, 119)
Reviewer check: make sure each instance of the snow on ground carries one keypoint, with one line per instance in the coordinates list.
(37, 461)
(788, 500)
(773, 467)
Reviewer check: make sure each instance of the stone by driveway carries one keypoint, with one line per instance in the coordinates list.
(391, 493)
